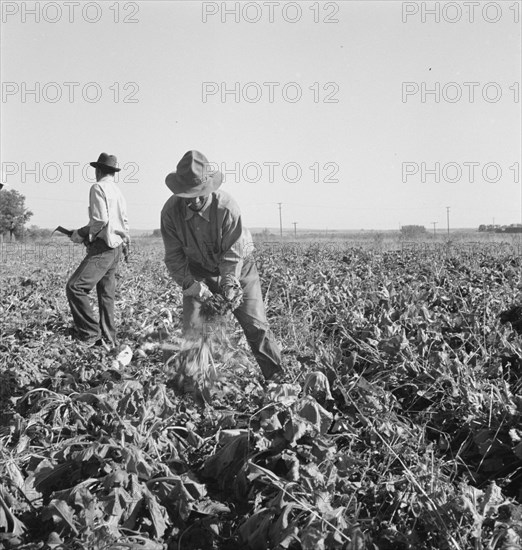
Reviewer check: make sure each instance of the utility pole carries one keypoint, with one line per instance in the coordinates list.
(280, 220)
(447, 216)
(434, 230)
(295, 229)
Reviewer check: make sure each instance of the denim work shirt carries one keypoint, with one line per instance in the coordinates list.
(107, 214)
(208, 243)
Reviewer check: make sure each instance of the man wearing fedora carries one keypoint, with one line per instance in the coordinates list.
(104, 237)
(207, 250)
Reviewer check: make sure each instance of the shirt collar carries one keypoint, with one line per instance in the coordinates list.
(204, 212)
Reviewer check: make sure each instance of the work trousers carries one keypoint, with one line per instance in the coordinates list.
(250, 315)
(98, 269)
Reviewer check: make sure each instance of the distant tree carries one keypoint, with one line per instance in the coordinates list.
(482, 227)
(36, 233)
(13, 213)
(412, 231)
(513, 228)
(156, 233)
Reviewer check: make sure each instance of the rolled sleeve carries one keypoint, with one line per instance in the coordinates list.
(99, 215)
(175, 259)
(125, 234)
(124, 218)
(126, 222)
(232, 245)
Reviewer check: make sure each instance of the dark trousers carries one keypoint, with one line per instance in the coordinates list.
(250, 315)
(98, 268)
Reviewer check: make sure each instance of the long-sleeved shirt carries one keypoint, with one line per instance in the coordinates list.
(211, 242)
(107, 214)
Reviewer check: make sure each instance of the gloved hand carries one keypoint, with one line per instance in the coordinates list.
(232, 291)
(76, 238)
(198, 290)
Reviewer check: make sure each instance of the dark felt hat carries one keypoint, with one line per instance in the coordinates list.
(194, 176)
(106, 162)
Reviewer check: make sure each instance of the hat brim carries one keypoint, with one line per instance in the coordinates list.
(104, 166)
(180, 188)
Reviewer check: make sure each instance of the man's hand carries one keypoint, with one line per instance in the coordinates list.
(125, 237)
(198, 290)
(232, 291)
(76, 238)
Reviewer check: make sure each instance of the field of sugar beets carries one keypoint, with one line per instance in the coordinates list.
(399, 427)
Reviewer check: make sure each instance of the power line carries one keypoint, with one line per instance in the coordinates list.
(345, 208)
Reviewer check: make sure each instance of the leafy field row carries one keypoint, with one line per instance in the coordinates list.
(399, 427)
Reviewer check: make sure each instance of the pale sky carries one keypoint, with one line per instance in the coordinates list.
(332, 119)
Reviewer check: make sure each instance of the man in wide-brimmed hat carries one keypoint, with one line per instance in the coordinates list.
(104, 236)
(207, 249)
